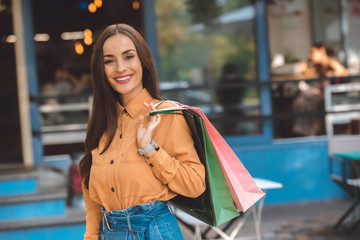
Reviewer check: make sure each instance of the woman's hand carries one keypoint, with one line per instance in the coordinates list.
(145, 133)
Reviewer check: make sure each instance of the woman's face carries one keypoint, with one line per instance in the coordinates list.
(122, 66)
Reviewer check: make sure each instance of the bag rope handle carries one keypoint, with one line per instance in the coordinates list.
(170, 110)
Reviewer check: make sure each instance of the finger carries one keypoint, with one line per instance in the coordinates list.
(158, 119)
(155, 121)
(155, 118)
(152, 108)
(148, 107)
(141, 121)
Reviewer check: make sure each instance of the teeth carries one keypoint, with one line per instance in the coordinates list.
(122, 79)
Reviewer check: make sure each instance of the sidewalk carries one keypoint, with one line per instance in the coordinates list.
(299, 221)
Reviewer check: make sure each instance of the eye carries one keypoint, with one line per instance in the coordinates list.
(107, 61)
(128, 57)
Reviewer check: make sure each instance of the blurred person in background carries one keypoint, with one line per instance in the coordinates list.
(229, 95)
(310, 99)
(322, 63)
(63, 83)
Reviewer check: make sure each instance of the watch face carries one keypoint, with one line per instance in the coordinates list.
(148, 148)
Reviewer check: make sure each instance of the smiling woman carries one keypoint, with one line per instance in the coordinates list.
(134, 163)
(123, 67)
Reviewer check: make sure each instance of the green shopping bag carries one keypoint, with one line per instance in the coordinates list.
(215, 206)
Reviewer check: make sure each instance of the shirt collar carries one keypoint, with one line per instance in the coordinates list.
(136, 105)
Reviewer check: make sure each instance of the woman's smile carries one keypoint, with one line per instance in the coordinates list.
(123, 79)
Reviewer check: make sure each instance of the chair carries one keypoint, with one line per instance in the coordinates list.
(200, 230)
(230, 229)
(343, 149)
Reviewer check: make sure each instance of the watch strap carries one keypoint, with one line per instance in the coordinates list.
(148, 148)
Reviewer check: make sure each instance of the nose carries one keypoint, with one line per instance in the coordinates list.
(121, 67)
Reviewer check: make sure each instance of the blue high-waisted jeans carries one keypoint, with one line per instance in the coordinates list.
(152, 221)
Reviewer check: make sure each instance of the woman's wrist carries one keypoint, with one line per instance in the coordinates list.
(149, 150)
(142, 145)
(150, 154)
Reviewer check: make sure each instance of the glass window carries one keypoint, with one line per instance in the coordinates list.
(64, 35)
(304, 60)
(208, 58)
(325, 16)
(10, 139)
(352, 15)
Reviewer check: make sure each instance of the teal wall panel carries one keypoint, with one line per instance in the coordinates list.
(32, 210)
(302, 168)
(68, 232)
(15, 187)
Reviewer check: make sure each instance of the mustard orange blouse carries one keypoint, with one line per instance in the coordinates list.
(121, 177)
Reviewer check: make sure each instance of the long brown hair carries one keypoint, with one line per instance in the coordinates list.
(104, 115)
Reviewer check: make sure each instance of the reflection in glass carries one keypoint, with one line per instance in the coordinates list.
(304, 60)
(207, 55)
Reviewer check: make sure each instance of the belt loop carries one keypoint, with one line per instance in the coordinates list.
(107, 224)
(170, 208)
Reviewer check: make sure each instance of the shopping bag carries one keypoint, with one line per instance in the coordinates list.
(215, 206)
(242, 186)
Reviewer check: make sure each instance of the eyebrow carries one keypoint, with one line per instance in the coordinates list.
(123, 53)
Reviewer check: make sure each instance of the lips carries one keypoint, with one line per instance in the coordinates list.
(123, 79)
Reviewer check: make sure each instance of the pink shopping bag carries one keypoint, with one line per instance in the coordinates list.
(242, 186)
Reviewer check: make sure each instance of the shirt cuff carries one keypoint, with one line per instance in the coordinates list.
(163, 166)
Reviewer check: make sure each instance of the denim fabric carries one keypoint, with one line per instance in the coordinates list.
(152, 221)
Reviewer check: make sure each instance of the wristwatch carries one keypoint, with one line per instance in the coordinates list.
(148, 148)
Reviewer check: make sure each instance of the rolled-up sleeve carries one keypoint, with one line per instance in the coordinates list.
(177, 163)
(93, 216)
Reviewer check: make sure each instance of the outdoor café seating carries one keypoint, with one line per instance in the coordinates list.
(231, 229)
(344, 147)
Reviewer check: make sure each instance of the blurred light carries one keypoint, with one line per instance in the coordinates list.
(136, 5)
(72, 35)
(92, 7)
(83, 5)
(98, 3)
(88, 40)
(2, 7)
(11, 39)
(87, 33)
(41, 37)
(79, 49)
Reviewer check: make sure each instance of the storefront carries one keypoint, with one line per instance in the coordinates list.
(240, 61)
(45, 48)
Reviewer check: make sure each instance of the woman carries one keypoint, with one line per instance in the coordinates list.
(133, 163)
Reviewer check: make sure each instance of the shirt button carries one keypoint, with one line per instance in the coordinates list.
(151, 165)
(112, 161)
(113, 189)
